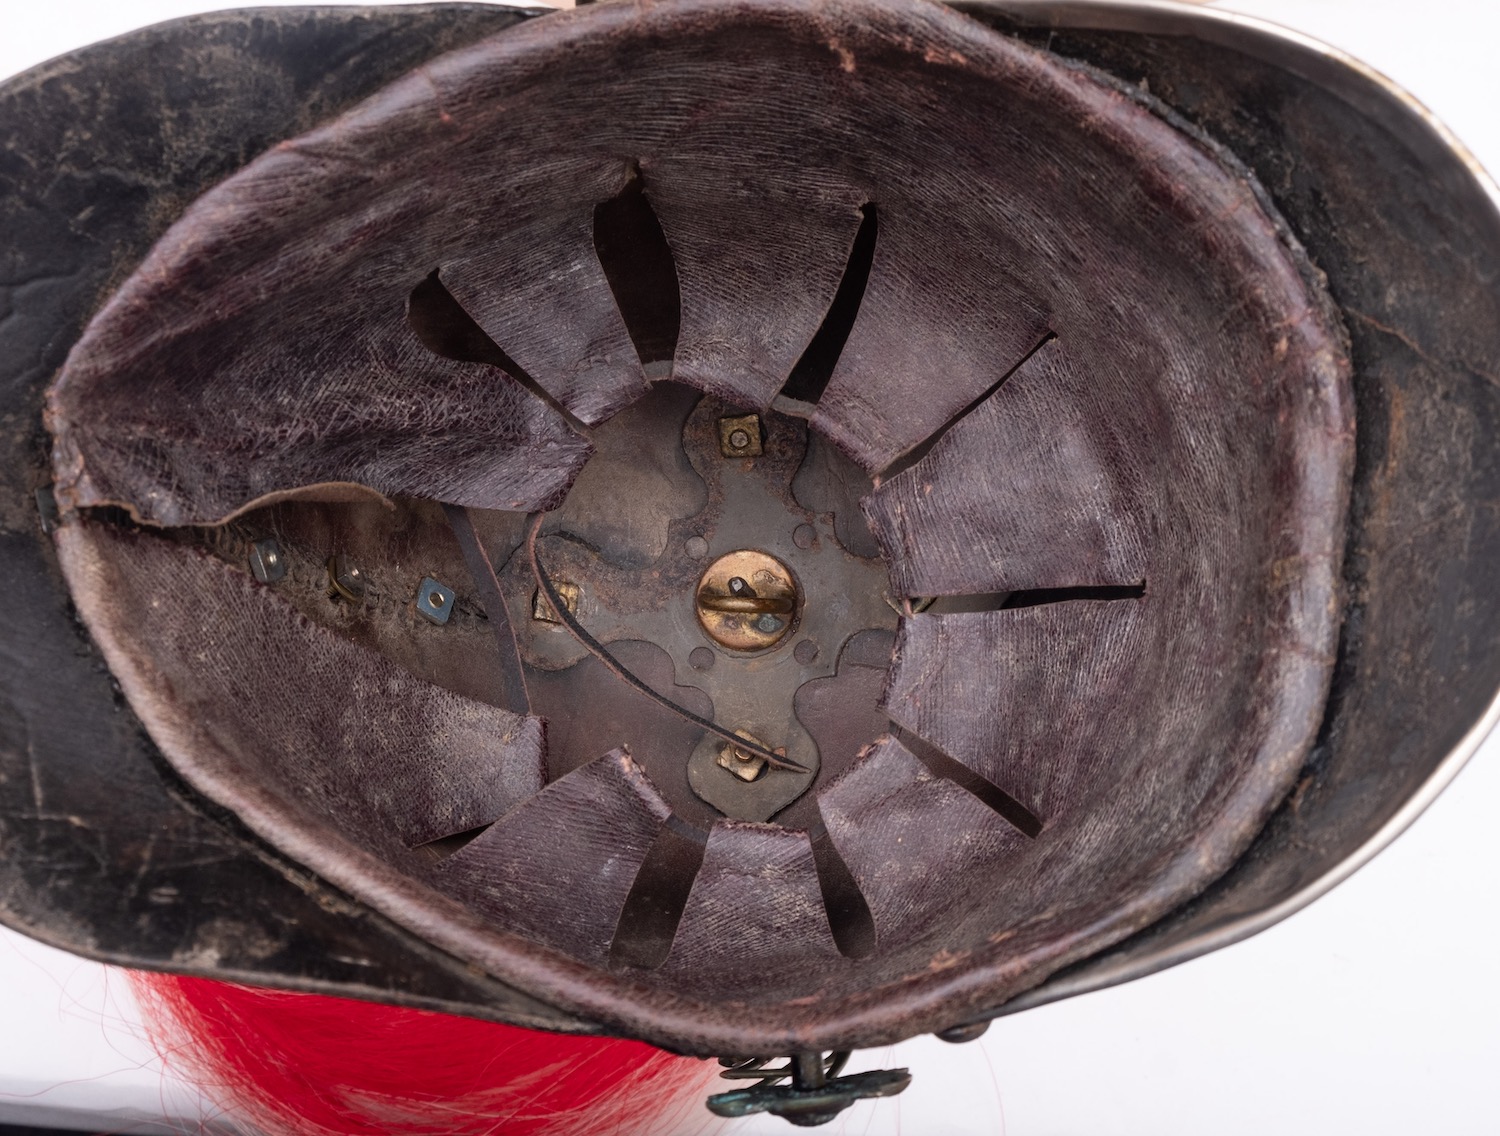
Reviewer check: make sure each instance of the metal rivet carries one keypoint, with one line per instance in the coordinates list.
(804, 536)
(541, 610)
(805, 652)
(697, 547)
(739, 437)
(434, 601)
(745, 766)
(267, 564)
(746, 601)
(347, 580)
(701, 659)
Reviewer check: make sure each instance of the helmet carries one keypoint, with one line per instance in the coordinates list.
(766, 528)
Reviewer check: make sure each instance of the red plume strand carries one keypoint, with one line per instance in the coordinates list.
(308, 1065)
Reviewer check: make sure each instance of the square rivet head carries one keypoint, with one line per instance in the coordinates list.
(434, 601)
(267, 563)
(739, 437)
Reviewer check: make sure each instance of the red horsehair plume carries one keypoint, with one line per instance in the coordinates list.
(308, 1065)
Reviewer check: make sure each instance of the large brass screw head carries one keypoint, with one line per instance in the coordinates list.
(747, 601)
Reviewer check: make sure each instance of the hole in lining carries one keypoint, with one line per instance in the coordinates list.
(956, 605)
(849, 917)
(1009, 809)
(446, 329)
(445, 846)
(653, 909)
(637, 261)
(809, 378)
(1035, 597)
(924, 447)
(1030, 597)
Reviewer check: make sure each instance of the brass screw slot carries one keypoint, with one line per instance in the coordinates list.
(747, 601)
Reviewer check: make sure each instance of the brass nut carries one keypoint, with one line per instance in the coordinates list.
(747, 601)
(745, 766)
(346, 579)
(541, 610)
(739, 437)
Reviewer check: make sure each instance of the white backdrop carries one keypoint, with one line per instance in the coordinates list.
(1374, 1012)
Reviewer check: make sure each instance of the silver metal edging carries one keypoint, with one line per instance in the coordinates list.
(1327, 66)
(1240, 929)
(1314, 60)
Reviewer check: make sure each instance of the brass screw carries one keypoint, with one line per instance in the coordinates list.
(739, 437)
(746, 601)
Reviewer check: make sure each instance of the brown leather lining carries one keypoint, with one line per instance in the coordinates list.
(1195, 411)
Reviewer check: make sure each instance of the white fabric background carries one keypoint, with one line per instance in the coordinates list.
(1374, 1012)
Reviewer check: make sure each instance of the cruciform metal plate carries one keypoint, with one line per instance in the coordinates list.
(747, 503)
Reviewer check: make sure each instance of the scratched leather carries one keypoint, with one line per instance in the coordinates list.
(531, 278)
(1051, 202)
(760, 235)
(844, 715)
(264, 696)
(965, 279)
(396, 547)
(558, 868)
(617, 716)
(1108, 721)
